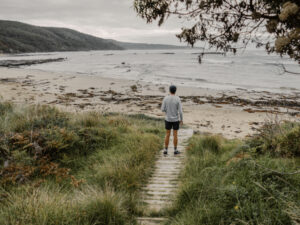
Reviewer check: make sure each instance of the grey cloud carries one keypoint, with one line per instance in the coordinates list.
(105, 18)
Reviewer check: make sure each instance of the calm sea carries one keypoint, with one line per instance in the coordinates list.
(251, 70)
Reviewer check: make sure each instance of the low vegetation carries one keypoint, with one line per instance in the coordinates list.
(235, 182)
(65, 168)
(276, 139)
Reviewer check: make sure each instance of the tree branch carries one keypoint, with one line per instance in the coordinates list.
(287, 71)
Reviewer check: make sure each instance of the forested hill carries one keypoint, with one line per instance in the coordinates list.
(16, 37)
(140, 46)
(19, 37)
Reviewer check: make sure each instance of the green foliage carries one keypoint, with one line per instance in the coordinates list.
(5, 107)
(35, 117)
(235, 187)
(127, 172)
(46, 206)
(207, 143)
(277, 139)
(66, 168)
(227, 25)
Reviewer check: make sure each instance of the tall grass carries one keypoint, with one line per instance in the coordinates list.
(277, 139)
(65, 168)
(224, 182)
(52, 206)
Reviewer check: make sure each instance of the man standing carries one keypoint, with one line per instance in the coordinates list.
(172, 107)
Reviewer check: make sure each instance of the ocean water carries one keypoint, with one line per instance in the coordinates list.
(251, 70)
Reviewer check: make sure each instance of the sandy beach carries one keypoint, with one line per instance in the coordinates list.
(229, 113)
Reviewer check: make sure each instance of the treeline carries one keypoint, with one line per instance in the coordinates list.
(16, 37)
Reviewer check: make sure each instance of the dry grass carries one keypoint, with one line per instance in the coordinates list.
(64, 168)
(235, 185)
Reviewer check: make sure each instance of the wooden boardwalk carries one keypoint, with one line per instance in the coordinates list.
(162, 185)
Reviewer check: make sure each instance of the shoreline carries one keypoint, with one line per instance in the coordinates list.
(233, 114)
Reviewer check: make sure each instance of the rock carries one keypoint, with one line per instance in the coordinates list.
(162, 89)
(8, 80)
(133, 88)
(17, 63)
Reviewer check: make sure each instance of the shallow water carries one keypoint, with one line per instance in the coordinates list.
(251, 70)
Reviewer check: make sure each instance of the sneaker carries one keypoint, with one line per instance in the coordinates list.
(165, 152)
(176, 152)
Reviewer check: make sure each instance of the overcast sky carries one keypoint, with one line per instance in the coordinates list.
(114, 19)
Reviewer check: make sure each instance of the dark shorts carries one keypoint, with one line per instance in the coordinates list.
(172, 125)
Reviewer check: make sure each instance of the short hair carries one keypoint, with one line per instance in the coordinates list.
(173, 89)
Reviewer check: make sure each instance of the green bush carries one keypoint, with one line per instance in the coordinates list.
(128, 171)
(289, 144)
(235, 186)
(36, 117)
(60, 165)
(278, 140)
(5, 107)
(205, 143)
(45, 206)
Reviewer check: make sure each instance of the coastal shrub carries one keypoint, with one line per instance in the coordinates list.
(145, 117)
(95, 137)
(289, 144)
(277, 139)
(90, 119)
(119, 122)
(46, 206)
(45, 131)
(56, 142)
(129, 171)
(5, 107)
(17, 174)
(236, 187)
(205, 143)
(36, 117)
(211, 143)
(66, 168)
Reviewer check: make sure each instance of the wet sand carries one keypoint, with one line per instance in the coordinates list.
(237, 113)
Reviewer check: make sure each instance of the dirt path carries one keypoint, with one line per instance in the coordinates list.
(160, 190)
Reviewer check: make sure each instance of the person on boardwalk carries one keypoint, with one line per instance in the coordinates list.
(174, 117)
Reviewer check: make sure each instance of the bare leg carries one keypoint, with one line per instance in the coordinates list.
(167, 139)
(175, 138)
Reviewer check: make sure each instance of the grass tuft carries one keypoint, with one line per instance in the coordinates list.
(206, 143)
(278, 139)
(46, 206)
(226, 182)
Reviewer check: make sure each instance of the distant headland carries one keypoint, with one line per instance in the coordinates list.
(17, 37)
